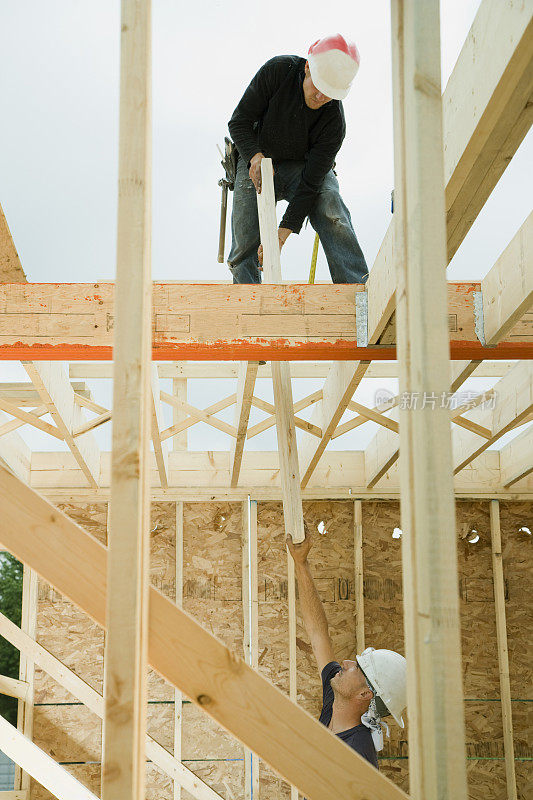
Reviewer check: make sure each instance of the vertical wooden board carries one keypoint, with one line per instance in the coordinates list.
(212, 593)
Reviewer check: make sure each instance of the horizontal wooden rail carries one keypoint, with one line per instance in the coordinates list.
(56, 322)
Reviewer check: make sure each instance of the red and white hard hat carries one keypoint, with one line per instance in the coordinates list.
(333, 63)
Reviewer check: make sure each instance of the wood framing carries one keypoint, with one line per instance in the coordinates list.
(221, 322)
(503, 655)
(358, 576)
(437, 763)
(10, 266)
(297, 746)
(245, 391)
(135, 415)
(486, 114)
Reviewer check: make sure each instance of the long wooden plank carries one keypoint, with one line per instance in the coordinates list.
(508, 288)
(437, 756)
(359, 576)
(304, 752)
(125, 662)
(160, 446)
(339, 387)
(503, 654)
(25, 711)
(178, 697)
(245, 393)
(235, 322)
(281, 371)
(486, 114)
(41, 766)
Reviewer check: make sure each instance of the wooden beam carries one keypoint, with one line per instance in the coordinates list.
(281, 371)
(486, 114)
(300, 369)
(10, 267)
(245, 391)
(437, 757)
(242, 322)
(125, 691)
(359, 576)
(160, 446)
(41, 766)
(341, 383)
(56, 393)
(14, 424)
(25, 710)
(11, 687)
(93, 423)
(246, 704)
(516, 458)
(503, 655)
(94, 701)
(507, 289)
(250, 624)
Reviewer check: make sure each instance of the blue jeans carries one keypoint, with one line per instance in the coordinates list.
(329, 217)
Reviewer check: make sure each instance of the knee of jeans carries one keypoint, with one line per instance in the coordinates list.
(330, 206)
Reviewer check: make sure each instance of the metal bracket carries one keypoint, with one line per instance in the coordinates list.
(478, 317)
(361, 318)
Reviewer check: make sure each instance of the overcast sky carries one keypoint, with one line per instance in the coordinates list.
(59, 72)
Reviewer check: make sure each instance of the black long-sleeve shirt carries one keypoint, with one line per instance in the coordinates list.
(272, 118)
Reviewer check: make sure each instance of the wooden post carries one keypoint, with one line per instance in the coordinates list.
(358, 576)
(27, 667)
(503, 655)
(281, 374)
(178, 697)
(123, 772)
(437, 763)
(250, 607)
(291, 610)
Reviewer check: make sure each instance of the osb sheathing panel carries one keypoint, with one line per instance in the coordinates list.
(212, 592)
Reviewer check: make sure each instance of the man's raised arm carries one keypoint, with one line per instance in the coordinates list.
(311, 606)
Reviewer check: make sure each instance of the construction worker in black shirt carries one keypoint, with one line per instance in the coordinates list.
(358, 693)
(292, 113)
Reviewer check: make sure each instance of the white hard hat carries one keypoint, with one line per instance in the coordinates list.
(386, 673)
(333, 63)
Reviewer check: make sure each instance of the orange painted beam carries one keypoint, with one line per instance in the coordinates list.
(217, 322)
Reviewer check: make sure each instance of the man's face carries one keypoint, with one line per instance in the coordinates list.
(350, 681)
(313, 97)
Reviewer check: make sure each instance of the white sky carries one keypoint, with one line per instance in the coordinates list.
(59, 71)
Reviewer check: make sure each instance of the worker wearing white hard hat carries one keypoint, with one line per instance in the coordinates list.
(357, 694)
(292, 112)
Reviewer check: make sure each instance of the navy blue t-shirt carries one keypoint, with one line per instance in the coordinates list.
(358, 738)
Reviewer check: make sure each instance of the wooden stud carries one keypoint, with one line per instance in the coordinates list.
(503, 655)
(124, 730)
(25, 711)
(358, 580)
(250, 624)
(297, 746)
(437, 758)
(245, 391)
